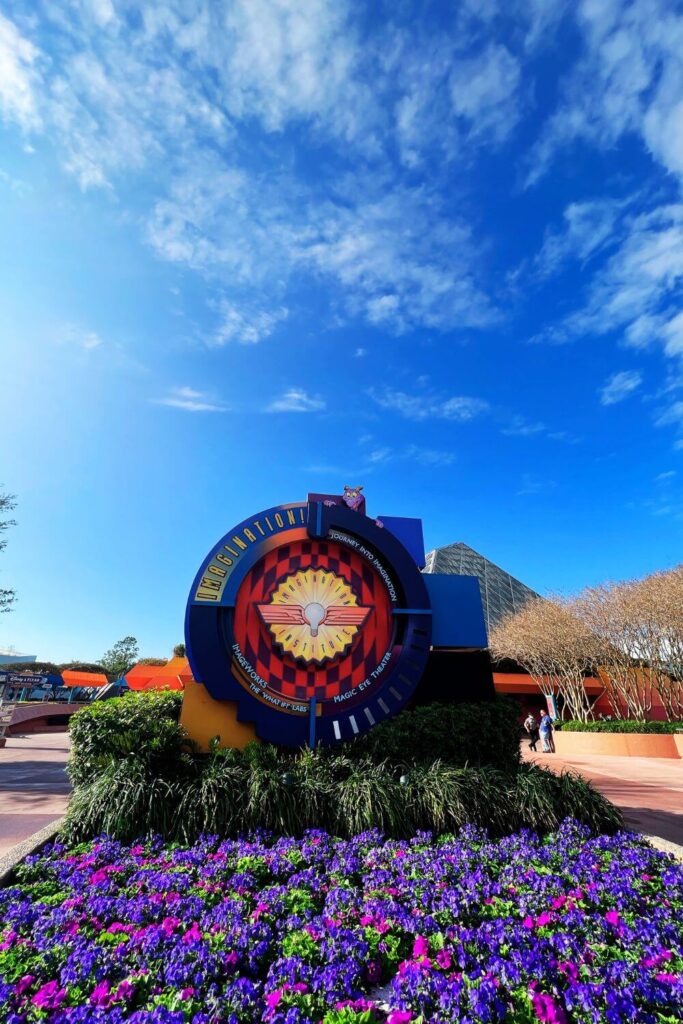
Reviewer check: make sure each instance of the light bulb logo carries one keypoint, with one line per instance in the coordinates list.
(313, 615)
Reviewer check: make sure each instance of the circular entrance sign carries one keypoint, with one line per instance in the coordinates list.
(314, 620)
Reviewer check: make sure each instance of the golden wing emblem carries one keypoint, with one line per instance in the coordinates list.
(282, 615)
(346, 615)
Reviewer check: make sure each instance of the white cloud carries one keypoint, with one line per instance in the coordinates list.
(629, 81)
(484, 91)
(620, 386)
(296, 400)
(247, 327)
(360, 352)
(459, 408)
(520, 426)
(18, 76)
(636, 288)
(664, 478)
(588, 227)
(429, 456)
(190, 400)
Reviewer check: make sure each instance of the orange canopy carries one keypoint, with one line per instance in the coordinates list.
(84, 678)
(171, 676)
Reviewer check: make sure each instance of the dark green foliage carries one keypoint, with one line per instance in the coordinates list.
(230, 792)
(143, 724)
(120, 658)
(81, 666)
(179, 651)
(476, 734)
(7, 503)
(152, 661)
(623, 725)
(34, 668)
(135, 773)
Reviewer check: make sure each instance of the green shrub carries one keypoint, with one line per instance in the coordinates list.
(141, 723)
(459, 734)
(230, 793)
(134, 773)
(622, 725)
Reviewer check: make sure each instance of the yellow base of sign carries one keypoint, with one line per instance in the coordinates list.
(203, 718)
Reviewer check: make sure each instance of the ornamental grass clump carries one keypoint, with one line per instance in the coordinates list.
(568, 929)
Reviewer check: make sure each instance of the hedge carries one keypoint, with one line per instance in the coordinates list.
(621, 725)
(461, 734)
(116, 727)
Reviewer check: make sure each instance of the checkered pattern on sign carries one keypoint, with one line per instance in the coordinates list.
(285, 675)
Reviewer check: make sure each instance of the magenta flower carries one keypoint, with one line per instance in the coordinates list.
(273, 998)
(420, 947)
(50, 996)
(187, 993)
(125, 991)
(569, 969)
(443, 959)
(193, 934)
(24, 983)
(612, 918)
(101, 995)
(399, 1017)
(547, 1009)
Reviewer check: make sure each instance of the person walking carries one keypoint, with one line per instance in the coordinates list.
(531, 727)
(546, 730)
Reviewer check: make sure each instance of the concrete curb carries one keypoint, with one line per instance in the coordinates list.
(9, 860)
(664, 845)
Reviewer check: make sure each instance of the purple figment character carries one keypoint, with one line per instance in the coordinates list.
(354, 500)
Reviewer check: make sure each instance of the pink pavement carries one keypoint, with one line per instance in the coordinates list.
(649, 790)
(34, 788)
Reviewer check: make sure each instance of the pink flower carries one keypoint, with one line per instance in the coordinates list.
(100, 995)
(569, 969)
(9, 939)
(399, 1017)
(192, 934)
(420, 947)
(558, 902)
(300, 987)
(187, 993)
(125, 991)
(273, 998)
(543, 919)
(99, 876)
(528, 922)
(547, 1009)
(169, 924)
(612, 917)
(443, 959)
(671, 978)
(24, 983)
(50, 996)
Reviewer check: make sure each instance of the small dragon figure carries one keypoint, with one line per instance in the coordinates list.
(354, 500)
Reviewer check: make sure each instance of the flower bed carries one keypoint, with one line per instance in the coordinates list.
(564, 929)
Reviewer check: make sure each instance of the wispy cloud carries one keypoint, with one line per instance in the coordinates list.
(520, 426)
(247, 327)
(627, 82)
(190, 400)
(619, 386)
(296, 400)
(458, 408)
(18, 76)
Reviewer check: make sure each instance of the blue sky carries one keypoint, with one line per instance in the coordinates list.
(258, 248)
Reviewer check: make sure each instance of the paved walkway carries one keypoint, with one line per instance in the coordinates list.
(649, 790)
(34, 788)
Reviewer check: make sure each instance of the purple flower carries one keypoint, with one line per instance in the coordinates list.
(50, 996)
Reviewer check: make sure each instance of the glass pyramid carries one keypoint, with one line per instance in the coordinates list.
(501, 593)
